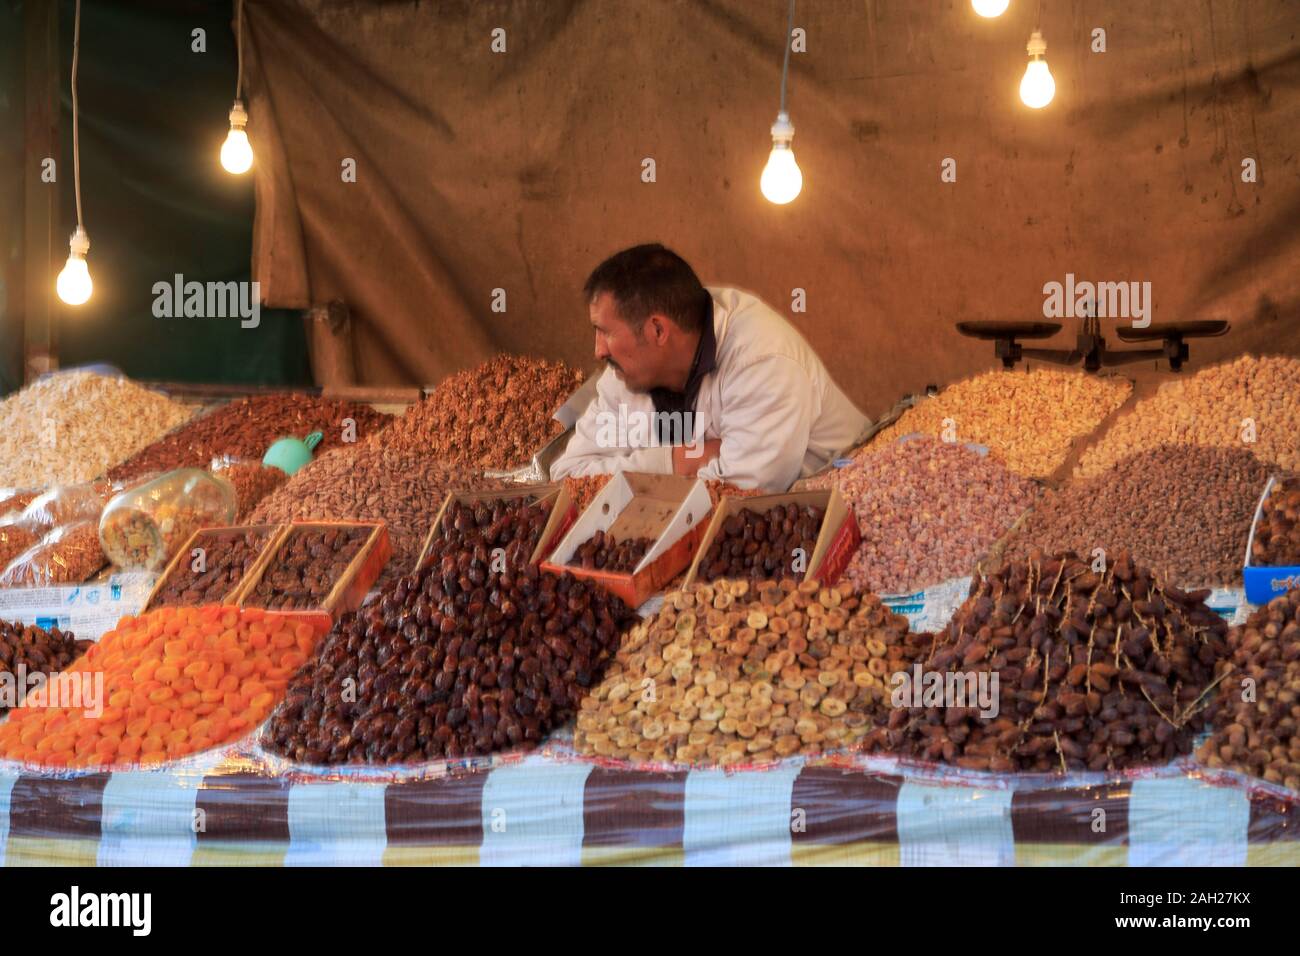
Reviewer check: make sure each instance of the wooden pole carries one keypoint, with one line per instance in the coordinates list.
(42, 242)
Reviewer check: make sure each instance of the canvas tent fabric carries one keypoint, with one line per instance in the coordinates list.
(478, 171)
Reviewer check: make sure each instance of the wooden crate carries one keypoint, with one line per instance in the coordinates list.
(183, 553)
(560, 502)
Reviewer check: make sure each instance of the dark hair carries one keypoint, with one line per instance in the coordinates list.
(648, 279)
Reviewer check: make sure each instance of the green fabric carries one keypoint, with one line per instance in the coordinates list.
(156, 200)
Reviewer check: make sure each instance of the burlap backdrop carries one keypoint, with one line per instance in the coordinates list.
(478, 171)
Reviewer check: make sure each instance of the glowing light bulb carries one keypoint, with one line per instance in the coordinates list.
(1037, 87)
(990, 8)
(74, 285)
(236, 152)
(781, 181)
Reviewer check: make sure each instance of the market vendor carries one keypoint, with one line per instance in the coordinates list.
(701, 381)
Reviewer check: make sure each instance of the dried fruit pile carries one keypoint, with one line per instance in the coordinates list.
(495, 416)
(252, 482)
(1277, 538)
(762, 545)
(176, 681)
(67, 555)
(1182, 511)
(1213, 408)
(457, 659)
(602, 552)
(1257, 709)
(305, 569)
(727, 673)
(246, 428)
(73, 426)
(227, 557)
(1030, 420)
(26, 649)
(1094, 671)
(928, 511)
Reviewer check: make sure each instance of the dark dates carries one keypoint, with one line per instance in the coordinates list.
(759, 546)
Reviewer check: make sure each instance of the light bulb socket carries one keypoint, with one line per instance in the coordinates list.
(1036, 46)
(79, 244)
(238, 115)
(782, 131)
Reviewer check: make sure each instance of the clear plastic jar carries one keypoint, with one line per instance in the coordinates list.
(145, 525)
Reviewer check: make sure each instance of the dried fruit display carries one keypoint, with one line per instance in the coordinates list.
(603, 552)
(761, 545)
(1182, 511)
(377, 482)
(497, 415)
(730, 673)
(73, 426)
(459, 659)
(26, 649)
(1094, 671)
(253, 482)
(1029, 420)
(176, 681)
(1277, 538)
(306, 567)
(227, 557)
(928, 511)
(246, 428)
(1249, 402)
(67, 555)
(1255, 723)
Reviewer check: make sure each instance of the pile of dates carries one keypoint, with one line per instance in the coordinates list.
(31, 650)
(475, 652)
(602, 552)
(1050, 665)
(227, 556)
(760, 546)
(304, 571)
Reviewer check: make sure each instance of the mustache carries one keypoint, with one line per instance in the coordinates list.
(610, 363)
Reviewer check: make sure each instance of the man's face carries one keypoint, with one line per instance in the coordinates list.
(633, 356)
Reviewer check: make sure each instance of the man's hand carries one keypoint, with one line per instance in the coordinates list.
(689, 459)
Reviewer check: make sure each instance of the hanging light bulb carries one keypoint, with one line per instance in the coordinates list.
(1037, 87)
(236, 152)
(781, 180)
(990, 8)
(74, 285)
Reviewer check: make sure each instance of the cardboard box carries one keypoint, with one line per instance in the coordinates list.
(562, 515)
(837, 539)
(668, 508)
(353, 584)
(195, 541)
(1263, 582)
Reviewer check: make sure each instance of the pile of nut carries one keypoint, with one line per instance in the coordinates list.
(1257, 711)
(1277, 537)
(602, 552)
(377, 482)
(1183, 511)
(1030, 420)
(496, 416)
(730, 673)
(306, 567)
(1250, 402)
(762, 545)
(252, 482)
(35, 650)
(227, 557)
(1086, 670)
(73, 426)
(928, 511)
(457, 659)
(14, 540)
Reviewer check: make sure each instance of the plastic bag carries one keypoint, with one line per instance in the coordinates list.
(143, 526)
(15, 538)
(64, 504)
(67, 555)
(14, 500)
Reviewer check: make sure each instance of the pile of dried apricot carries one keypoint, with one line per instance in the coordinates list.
(175, 681)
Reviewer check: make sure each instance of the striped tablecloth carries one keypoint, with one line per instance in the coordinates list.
(551, 810)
